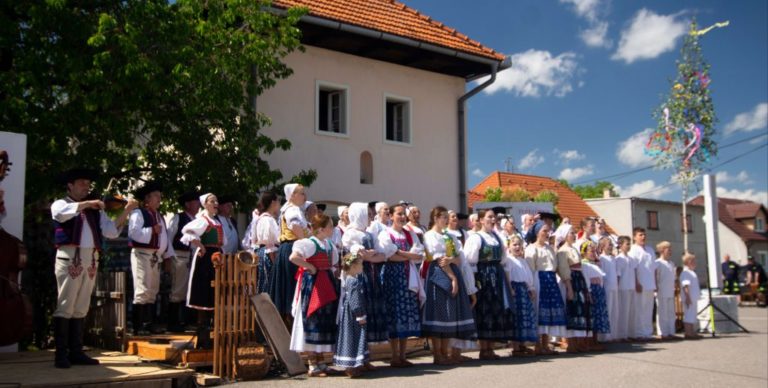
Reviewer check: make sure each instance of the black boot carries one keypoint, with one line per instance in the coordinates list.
(152, 327)
(174, 310)
(76, 354)
(138, 320)
(61, 339)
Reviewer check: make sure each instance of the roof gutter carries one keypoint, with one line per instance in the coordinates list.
(371, 33)
(462, 128)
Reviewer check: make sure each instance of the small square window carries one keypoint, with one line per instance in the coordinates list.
(689, 223)
(397, 120)
(653, 220)
(332, 106)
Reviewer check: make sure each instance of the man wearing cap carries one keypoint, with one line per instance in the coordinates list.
(148, 236)
(80, 225)
(226, 204)
(190, 202)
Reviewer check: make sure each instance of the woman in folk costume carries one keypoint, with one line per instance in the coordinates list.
(468, 275)
(206, 236)
(414, 222)
(493, 313)
(550, 308)
(454, 229)
(315, 303)
(352, 343)
(447, 311)
(341, 228)
(577, 305)
(523, 295)
(377, 321)
(266, 236)
(381, 219)
(293, 227)
(403, 290)
(599, 322)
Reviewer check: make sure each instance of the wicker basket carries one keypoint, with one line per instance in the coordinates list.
(252, 361)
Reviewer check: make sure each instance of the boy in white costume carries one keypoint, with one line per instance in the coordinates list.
(665, 293)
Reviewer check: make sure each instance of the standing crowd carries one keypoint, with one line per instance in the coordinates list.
(379, 276)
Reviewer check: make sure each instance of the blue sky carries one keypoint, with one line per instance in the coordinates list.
(587, 75)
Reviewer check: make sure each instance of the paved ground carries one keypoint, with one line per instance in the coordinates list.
(728, 360)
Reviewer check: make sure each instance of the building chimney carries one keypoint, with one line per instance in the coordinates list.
(607, 193)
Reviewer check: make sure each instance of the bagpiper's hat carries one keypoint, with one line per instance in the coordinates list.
(149, 187)
(74, 174)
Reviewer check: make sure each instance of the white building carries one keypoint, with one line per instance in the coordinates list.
(662, 221)
(375, 104)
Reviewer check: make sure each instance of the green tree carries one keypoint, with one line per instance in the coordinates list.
(493, 194)
(591, 191)
(517, 195)
(163, 89)
(547, 196)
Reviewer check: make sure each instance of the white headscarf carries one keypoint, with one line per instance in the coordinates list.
(307, 204)
(561, 232)
(288, 190)
(379, 206)
(203, 198)
(358, 216)
(340, 210)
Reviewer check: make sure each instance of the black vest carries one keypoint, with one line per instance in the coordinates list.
(184, 219)
(70, 232)
(149, 222)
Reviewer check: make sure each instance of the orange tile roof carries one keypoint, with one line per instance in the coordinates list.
(395, 18)
(569, 203)
(725, 212)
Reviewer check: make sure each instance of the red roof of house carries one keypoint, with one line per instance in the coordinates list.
(730, 210)
(569, 203)
(392, 17)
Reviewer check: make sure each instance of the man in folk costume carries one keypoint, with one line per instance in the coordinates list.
(228, 223)
(190, 202)
(80, 224)
(151, 247)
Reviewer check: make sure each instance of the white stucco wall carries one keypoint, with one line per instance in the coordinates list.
(731, 244)
(616, 211)
(425, 172)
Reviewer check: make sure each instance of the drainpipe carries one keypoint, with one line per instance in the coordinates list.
(462, 116)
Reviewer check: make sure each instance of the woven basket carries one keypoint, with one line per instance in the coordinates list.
(252, 361)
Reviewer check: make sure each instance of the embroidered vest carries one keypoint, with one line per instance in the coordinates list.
(150, 220)
(213, 236)
(184, 219)
(70, 232)
(490, 253)
(403, 244)
(286, 234)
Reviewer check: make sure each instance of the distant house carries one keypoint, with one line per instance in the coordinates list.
(742, 229)
(569, 203)
(662, 221)
(376, 103)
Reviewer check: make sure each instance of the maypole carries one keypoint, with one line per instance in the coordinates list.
(683, 139)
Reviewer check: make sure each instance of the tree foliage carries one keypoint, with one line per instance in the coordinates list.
(497, 194)
(595, 190)
(155, 88)
(547, 196)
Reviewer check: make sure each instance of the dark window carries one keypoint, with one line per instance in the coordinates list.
(653, 220)
(331, 110)
(688, 222)
(397, 121)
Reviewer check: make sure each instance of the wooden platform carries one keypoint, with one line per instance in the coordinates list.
(174, 349)
(35, 369)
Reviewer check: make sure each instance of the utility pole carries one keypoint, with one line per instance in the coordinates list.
(508, 164)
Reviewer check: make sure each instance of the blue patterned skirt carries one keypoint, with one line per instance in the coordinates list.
(376, 321)
(320, 327)
(577, 309)
(551, 306)
(446, 316)
(264, 269)
(402, 304)
(282, 279)
(493, 313)
(526, 327)
(351, 343)
(600, 322)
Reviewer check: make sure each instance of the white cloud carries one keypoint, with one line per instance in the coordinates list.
(571, 174)
(478, 173)
(725, 177)
(749, 194)
(631, 151)
(596, 35)
(644, 189)
(649, 35)
(531, 160)
(535, 73)
(749, 121)
(569, 155)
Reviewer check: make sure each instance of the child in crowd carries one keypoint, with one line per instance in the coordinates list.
(523, 294)
(691, 292)
(625, 268)
(665, 293)
(611, 285)
(598, 310)
(351, 343)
